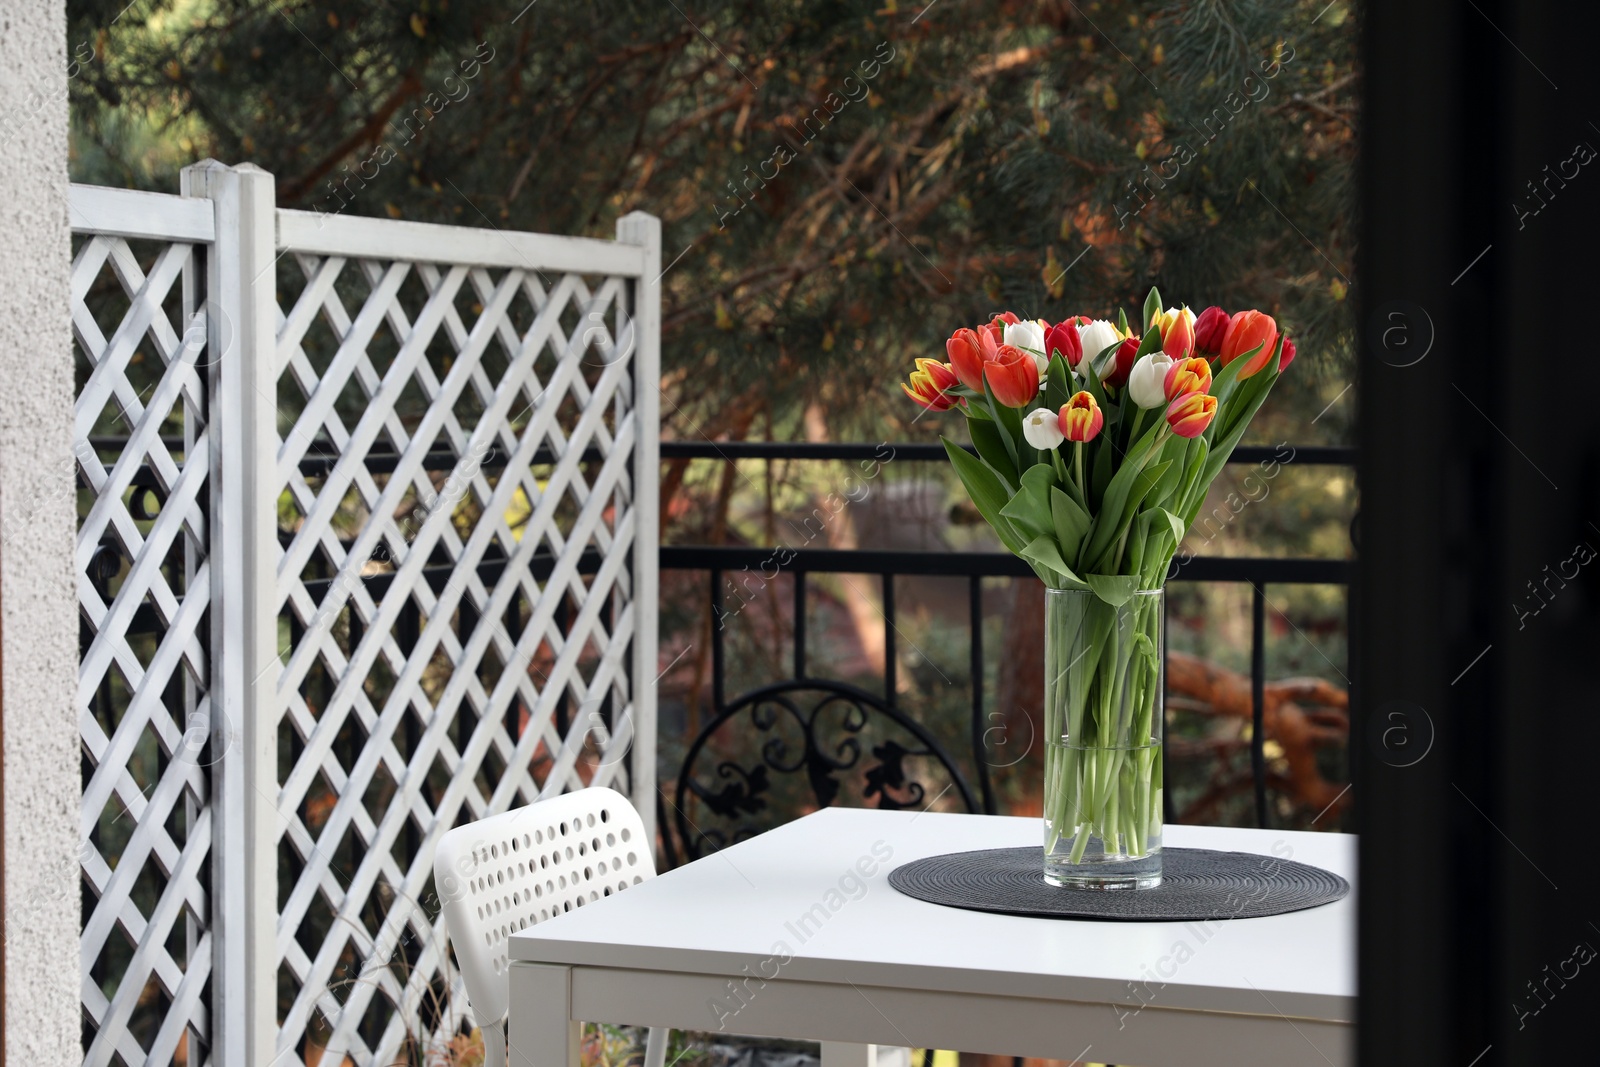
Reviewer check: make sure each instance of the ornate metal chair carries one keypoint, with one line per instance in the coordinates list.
(813, 739)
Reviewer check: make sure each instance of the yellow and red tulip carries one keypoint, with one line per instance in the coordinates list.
(1013, 377)
(1081, 418)
(1192, 375)
(930, 385)
(1177, 333)
(1191, 413)
(1248, 330)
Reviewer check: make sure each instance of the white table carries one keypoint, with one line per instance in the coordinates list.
(782, 936)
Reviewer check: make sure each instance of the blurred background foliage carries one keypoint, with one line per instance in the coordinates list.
(840, 184)
(993, 145)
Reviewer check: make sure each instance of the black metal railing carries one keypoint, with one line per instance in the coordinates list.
(719, 561)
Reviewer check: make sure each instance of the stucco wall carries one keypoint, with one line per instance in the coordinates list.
(38, 614)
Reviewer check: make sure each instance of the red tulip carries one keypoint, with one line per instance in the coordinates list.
(998, 324)
(1288, 355)
(1191, 413)
(930, 385)
(1081, 418)
(1209, 329)
(1122, 361)
(1247, 330)
(1192, 375)
(1013, 378)
(969, 350)
(1063, 338)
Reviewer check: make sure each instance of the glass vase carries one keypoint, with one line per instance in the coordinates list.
(1103, 721)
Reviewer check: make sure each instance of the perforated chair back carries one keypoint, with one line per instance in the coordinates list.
(503, 874)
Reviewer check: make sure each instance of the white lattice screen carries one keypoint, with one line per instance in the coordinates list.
(435, 448)
(464, 435)
(144, 583)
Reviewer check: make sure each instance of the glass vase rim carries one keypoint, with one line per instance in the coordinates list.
(1050, 591)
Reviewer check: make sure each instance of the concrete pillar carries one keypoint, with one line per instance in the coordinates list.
(38, 602)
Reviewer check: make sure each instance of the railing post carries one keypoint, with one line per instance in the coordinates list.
(640, 228)
(240, 300)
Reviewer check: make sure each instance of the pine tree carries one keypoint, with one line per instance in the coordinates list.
(841, 183)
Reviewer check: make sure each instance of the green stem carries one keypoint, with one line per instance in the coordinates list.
(1101, 695)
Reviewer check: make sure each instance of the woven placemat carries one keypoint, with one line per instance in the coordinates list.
(1196, 883)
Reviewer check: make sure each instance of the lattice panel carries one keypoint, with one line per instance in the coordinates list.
(142, 462)
(455, 590)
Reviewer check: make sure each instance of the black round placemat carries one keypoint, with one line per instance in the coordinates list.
(1196, 883)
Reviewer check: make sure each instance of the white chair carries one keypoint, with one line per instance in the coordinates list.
(505, 873)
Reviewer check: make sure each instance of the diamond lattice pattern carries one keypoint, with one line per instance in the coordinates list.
(141, 460)
(455, 597)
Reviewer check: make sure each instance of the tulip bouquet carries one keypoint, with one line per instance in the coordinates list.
(1095, 444)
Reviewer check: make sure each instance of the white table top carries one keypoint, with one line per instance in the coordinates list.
(745, 904)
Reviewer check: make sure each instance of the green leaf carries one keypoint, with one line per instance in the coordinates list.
(988, 493)
(989, 440)
(1011, 419)
(1223, 435)
(1037, 480)
(1152, 307)
(1057, 384)
(1222, 447)
(1113, 414)
(1071, 522)
(1153, 547)
(1093, 385)
(1172, 480)
(1148, 479)
(1128, 412)
(1151, 342)
(1146, 648)
(1224, 381)
(1248, 397)
(1108, 523)
(1142, 485)
(1046, 559)
(1029, 510)
(1191, 489)
(1010, 423)
(1122, 321)
(1100, 472)
(1114, 589)
(1177, 525)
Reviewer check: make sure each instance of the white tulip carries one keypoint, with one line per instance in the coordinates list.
(1027, 335)
(1096, 337)
(1147, 382)
(1042, 428)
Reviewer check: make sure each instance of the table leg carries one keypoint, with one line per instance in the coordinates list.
(655, 1047)
(844, 1054)
(847, 1055)
(542, 1030)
